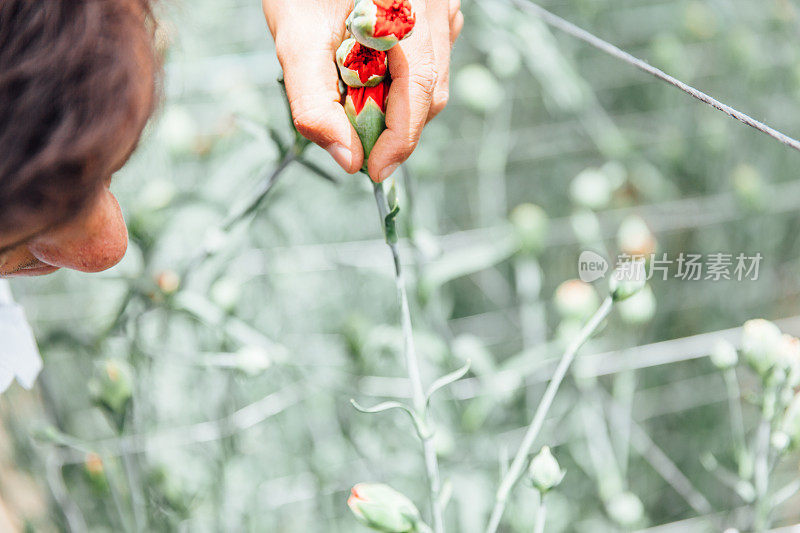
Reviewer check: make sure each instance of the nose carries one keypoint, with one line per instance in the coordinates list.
(95, 241)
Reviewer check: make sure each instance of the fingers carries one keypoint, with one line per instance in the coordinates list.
(412, 65)
(312, 87)
(439, 17)
(456, 20)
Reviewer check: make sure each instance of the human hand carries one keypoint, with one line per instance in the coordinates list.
(307, 34)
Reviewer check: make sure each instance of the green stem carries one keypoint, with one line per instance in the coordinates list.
(541, 515)
(412, 366)
(521, 459)
(735, 407)
(761, 475)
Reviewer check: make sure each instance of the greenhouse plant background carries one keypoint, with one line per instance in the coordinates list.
(205, 383)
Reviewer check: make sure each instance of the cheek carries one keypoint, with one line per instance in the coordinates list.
(14, 258)
(95, 242)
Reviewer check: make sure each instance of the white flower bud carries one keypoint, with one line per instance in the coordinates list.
(724, 355)
(591, 189)
(253, 360)
(639, 308)
(761, 340)
(625, 508)
(544, 471)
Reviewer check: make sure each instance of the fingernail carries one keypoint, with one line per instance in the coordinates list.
(341, 154)
(388, 171)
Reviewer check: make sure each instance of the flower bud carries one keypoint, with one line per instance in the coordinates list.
(360, 66)
(95, 472)
(748, 184)
(382, 508)
(252, 360)
(168, 281)
(724, 355)
(478, 88)
(575, 299)
(635, 238)
(761, 341)
(544, 471)
(530, 224)
(625, 508)
(381, 24)
(112, 385)
(789, 359)
(639, 308)
(628, 279)
(366, 109)
(591, 188)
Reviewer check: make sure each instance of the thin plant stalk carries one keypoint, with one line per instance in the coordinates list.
(541, 515)
(412, 367)
(517, 467)
(761, 475)
(735, 407)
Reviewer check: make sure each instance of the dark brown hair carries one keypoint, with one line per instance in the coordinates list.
(75, 89)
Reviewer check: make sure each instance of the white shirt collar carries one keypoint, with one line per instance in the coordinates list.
(19, 355)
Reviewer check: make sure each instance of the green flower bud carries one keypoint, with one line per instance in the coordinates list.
(724, 355)
(635, 238)
(628, 279)
(382, 508)
(789, 359)
(639, 308)
(748, 184)
(95, 472)
(381, 24)
(366, 109)
(575, 299)
(761, 341)
(591, 189)
(530, 224)
(478, 88)
(544, 471)
(112, 385)
(700, 20)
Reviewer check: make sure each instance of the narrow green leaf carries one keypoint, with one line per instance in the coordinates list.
(446, 380)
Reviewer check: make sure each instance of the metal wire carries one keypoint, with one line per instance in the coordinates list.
(605, 46)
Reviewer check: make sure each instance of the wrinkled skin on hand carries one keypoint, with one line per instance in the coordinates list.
(307, 34)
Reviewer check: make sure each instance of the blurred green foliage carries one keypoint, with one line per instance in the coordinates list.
(242, 364)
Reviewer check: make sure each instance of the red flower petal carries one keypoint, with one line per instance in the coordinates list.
(378, 94)
(366, 61)
(394, 17)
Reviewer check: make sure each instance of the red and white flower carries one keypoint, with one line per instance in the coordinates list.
(381, 24)
(360, 66)
(366, 109)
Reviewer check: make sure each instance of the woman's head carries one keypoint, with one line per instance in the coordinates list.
(76, 89)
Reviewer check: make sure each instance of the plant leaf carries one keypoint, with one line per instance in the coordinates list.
(446, 380)
(419, 425)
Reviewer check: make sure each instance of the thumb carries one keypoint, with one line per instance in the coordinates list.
(312, 86)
